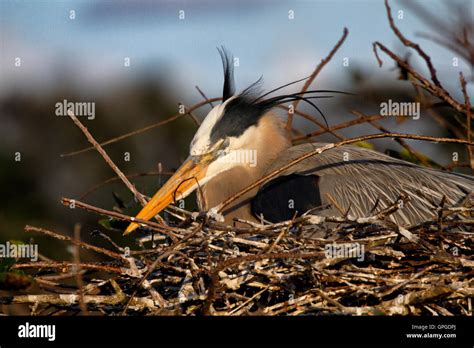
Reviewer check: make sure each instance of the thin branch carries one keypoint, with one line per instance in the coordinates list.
(413, 45)
(468, 117)
(435, 90)
(115, 178)
(69, 266)
(161, 228)
(191, 115)
(141, 130)
(343, 125)
(107, 159)
(315, 73)
(312, 119)
(402, 143)
(170, 250)
(73, 241)
(204, 96)
(440, 119)
(78, 270)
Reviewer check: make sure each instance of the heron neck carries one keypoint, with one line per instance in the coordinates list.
(272, 140)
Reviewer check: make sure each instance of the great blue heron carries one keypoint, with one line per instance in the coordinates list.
(357, 179)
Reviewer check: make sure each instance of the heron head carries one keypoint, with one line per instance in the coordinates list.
(225, 139)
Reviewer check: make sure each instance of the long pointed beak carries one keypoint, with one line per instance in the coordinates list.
(181, 184)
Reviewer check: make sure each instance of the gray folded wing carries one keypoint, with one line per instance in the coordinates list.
(362, 182)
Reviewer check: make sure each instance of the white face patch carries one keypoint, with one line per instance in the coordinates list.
(201, 142)
(241, 151)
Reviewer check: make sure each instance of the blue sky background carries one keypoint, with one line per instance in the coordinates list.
(89, 50)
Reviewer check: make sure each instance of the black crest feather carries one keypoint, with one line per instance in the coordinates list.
(228, 66)
(246, 109)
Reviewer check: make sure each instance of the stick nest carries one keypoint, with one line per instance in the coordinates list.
(206, 268)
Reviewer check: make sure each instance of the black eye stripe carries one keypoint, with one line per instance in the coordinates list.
(239, 115)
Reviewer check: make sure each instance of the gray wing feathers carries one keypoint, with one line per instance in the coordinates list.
(359, 179)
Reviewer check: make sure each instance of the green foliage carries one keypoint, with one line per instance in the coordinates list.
(365, 145)
(113, 224)
(12, 279)
(405, 155)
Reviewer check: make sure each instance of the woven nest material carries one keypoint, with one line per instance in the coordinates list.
(369, 267)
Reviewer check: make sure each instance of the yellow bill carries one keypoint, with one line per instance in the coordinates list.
(183, 182)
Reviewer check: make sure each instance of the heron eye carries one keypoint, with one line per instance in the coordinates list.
(226, 142)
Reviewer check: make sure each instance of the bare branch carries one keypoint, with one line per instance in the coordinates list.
(161, 228)
(73, 241)
(107, 159)
(413, 45)
(142, 130)
(468, 117)
(315, 73)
